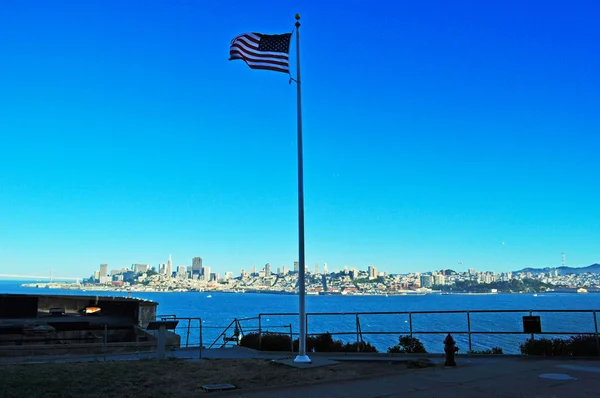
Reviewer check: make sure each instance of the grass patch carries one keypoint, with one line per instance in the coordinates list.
(167, 378)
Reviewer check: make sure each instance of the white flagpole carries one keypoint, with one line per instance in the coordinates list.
(301, 357)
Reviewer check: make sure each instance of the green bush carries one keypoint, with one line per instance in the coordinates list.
(326, 343)
(362, 347)
(493, 351)
(583, 345)
(408, 345)
(580, 345)
(268, 342)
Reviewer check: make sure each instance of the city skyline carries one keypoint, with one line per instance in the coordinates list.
(449, 133)
(320, 268)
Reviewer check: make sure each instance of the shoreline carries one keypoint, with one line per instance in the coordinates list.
(91, 289)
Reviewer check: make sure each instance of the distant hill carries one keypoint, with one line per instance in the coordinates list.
(594, 269)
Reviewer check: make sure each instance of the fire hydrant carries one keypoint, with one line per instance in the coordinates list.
(450, 349)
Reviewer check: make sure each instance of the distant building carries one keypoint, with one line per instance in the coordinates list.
(182, 272)
(285, 270)
(267, 270)
(439, 279)
(426, 281)
(253, 270)
(372, 272)
(170, 267)
(197, 265)
(325, 269)
(96, 275)
(316, 268)
(296, 266)
(206, 274)
(140, 268)
(103, 270)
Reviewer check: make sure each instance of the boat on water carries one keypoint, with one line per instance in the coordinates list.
(209, 296)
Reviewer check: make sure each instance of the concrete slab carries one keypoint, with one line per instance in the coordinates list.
(315, 363)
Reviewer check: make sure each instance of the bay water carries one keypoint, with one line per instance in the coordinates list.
(217, 311)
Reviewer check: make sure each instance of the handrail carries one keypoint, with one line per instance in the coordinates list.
(359, 331)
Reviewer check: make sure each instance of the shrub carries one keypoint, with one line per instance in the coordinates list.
(408, 345)
(583, 345)
(362, 347)
(268, 342)
(326, 343)
(493, 351)
(580, 345)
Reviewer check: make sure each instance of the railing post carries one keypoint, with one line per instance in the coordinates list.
(410, 323)
(187, 337)
(200, 348)
(105, 341)
(307, 333)
(292, 339)
(259, 332)
(469, 330)
(357, 328)
(596, 327)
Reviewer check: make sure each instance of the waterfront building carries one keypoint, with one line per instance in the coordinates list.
(96, 275)
(103, 270)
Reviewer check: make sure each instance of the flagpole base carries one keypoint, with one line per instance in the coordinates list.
(302, 359)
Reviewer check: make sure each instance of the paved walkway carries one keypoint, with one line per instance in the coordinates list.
(482, 377)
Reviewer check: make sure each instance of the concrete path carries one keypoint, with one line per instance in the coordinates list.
(502, 377)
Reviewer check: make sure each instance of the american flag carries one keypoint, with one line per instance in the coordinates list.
(261, 51)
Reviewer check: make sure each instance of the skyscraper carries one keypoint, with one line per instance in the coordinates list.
(296, 266)
(267, 270)
(103, 269)
(325, 270)
(316, 268)
(170, 267)
(197, 265)
(206, 274)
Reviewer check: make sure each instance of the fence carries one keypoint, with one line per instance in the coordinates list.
(467, 326)
(476, 329)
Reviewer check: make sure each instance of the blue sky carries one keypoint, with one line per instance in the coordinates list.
(433, 132)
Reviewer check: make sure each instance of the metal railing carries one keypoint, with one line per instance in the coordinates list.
(470, 332)
(353, 326)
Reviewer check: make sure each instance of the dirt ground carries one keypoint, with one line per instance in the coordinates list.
(170, 378)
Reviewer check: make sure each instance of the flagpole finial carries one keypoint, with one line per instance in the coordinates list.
(297, 17)
(297, 20)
